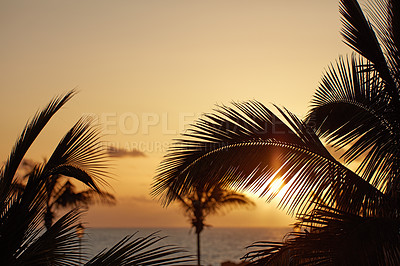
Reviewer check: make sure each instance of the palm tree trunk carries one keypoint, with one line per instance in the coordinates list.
(198, 249)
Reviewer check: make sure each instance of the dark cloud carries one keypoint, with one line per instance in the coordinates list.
(118, 152)
(141, 199)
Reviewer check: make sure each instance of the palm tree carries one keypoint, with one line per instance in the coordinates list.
(349, 218)
(65, 195)
(61, 193)
(23, 238)
(204, 201)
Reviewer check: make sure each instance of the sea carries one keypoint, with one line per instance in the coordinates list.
(217, 244)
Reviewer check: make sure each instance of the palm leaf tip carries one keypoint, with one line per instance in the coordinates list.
(368, 132)
(360, 35)
(81, 155)
(30, 132)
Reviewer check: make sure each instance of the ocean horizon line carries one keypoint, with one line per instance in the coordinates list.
(184, 227)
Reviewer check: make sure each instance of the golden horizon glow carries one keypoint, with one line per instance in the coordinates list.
(169, 60)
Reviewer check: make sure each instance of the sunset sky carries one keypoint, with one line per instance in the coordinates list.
(147, 69)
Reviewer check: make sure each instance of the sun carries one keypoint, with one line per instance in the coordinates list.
(277, 185)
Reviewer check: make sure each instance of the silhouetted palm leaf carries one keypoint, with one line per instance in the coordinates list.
(67, 196)
(141, 251)
(349, 218)
(371, 127)
(29, 134)
(59, 245)
(80, 155)
(385, 17)
(333, 237)
(249, 147)
(23, 238)
(359, 35)
(21, 217)
(213, 200)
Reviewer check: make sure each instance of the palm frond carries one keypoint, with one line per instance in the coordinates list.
(350, 111)
(385, 16)
(73, 172)
(80, 155)
(360, 36)
(20, 217)
(28, 135)
(141, 251)
(99, 198)
(218, 200)
(204, 201)
(23, 240)
(67, 196)
(249, 148)
(333, 237)
(59, 245)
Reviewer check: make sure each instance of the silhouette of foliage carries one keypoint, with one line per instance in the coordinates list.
(204, 201)
(140, 251)
(349, 218)
(24, 240)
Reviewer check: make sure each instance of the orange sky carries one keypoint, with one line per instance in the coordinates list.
(160, 64)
